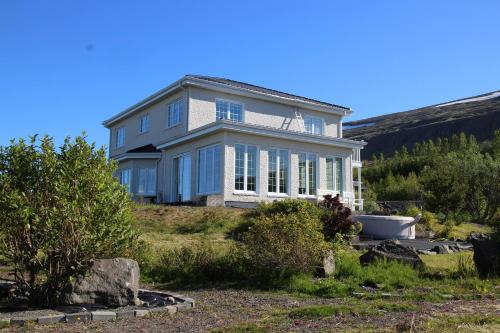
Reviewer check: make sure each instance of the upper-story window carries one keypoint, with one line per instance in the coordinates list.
(313, 125)
(229, 110)
(120, 137)
(174, 113)
(144, 123)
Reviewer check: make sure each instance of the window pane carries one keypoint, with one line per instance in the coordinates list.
(251, 168)
(209, 180)
(302, 173)
(142, 181)
(221, 110)
(272, 161)
(283, 188)
(339, 175)
(217, 159)
(151, 181)
(201, 171)
(236, 112)
(239, 176)
(329, 174)
(312, 174)
(308, 124)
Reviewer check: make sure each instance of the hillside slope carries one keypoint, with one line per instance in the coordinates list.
(478, 115)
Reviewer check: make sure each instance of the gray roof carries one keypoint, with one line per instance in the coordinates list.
(243, 85)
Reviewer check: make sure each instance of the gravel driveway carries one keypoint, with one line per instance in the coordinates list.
(226, 308)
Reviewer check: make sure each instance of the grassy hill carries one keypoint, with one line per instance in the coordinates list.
(477, 115)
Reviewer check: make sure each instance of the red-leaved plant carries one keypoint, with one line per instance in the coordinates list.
(337, 218)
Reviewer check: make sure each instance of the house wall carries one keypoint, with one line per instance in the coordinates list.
(258, 112)
(158, 131)
(263, 144)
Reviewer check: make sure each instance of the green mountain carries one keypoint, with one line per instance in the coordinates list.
(477, 115)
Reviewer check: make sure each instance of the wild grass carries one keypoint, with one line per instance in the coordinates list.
(465, 323)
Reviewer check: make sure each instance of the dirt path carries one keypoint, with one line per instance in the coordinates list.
(218, 309)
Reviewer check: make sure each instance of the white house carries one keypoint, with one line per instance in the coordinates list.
(222, 142)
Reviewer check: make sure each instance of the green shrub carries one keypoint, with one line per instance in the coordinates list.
(201, 261)
(281, 245)
(412, 211)
(286, 207)
(60, 208)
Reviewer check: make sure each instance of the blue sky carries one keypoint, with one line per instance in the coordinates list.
(65, 66)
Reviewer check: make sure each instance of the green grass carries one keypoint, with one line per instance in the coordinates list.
(463, 323)
(243, 328)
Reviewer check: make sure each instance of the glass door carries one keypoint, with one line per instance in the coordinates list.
(182, 172)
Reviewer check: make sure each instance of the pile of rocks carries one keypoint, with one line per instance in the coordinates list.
(447, 248)
(391, 250)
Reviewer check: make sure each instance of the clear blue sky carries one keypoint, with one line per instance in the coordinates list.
(65, 66)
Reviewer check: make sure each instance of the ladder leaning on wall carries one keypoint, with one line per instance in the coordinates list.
(300, 120)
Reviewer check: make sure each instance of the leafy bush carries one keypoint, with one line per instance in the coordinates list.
(201, 261)
(287, 207)
(59, 210)
(337, 218)
(281, 245)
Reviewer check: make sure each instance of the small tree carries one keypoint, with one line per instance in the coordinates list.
(59, 210)
(337, 219)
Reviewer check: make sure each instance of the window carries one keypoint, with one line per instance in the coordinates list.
(120, 137)
(335, 174)
(307, 173)
(313, 125)
(174, 113)
(229, 110)
(245, 171)
(209, 170)
(147, 181)
(125, 179)
(277, 171)
(144, 124)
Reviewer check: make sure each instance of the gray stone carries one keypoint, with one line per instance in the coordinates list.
(125, 314)
(426, 252)
(111, 282)
(141, 313)
(486, 255)
(391, 251)
(51, 319)
(78, 317)
(328, 267)
(21, 321)
(103, 315)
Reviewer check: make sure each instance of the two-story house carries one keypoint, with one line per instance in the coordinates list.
(222, 142)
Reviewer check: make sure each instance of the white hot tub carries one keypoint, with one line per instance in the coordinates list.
(388, 227)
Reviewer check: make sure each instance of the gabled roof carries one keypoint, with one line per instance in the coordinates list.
(248, 86)
(236, 87)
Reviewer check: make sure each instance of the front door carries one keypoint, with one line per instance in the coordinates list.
(182, 169)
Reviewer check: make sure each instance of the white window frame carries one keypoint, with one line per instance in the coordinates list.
(215, 191)
(141, 127)
(245, 170)
(307, 195)
(120, 143)
(278, 193)
(180, 102)
(313, 118)
(145, 192)
(128, 185)
(334, 170)
(229, 102)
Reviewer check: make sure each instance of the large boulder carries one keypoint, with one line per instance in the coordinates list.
(486, 255)
(111, 282)
(391, 250)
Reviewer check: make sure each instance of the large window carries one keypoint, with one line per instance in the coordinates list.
(277, 171)
(313, 125)
(209, 170)
(229, 110)
(125, 178)
(174, 113)
(144, 124)
(147, 181)
(335, 174)
(307, 173)
(245, 176)
(120, 137)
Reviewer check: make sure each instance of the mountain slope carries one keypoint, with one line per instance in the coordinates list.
(478, 115)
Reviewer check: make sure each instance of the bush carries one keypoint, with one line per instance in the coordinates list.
(286, 207)
(282, 245)
(201, 261)
(59, 210)
(337, 218)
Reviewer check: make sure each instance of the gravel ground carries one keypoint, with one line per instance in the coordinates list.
(225, 308)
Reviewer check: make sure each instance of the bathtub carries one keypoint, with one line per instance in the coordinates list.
(388, 227)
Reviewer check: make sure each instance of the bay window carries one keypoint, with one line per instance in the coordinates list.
(245, 170)
(277, 171)
(307, 173)
(147, 181)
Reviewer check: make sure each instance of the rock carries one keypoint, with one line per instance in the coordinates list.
(442, 249)
(486, 255)
(328, 266)
(426, 252)
(111, 282)
(391, 251)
